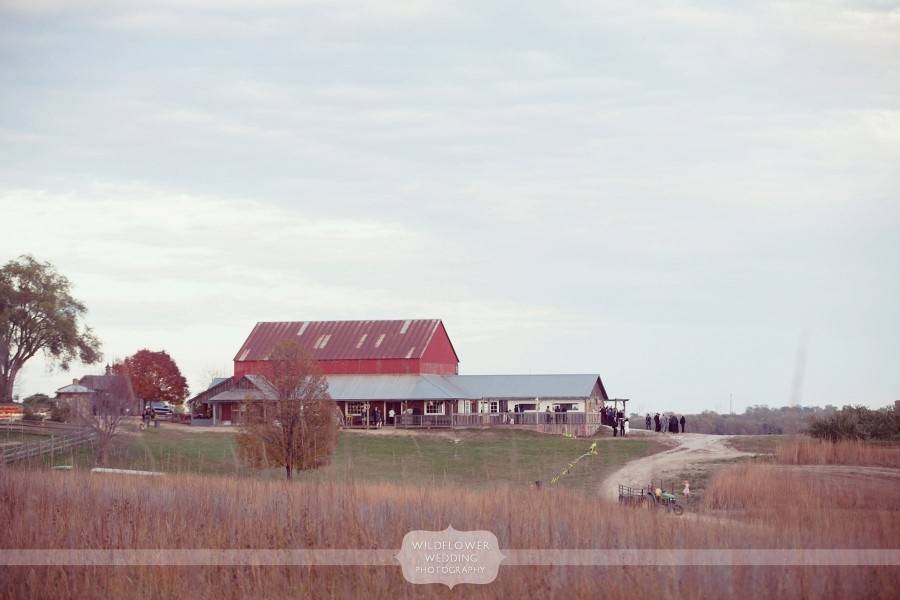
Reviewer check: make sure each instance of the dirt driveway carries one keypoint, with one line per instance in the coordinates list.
(691, 449)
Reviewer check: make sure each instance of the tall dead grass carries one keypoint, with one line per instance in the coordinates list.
(809, 451)
(77, 510)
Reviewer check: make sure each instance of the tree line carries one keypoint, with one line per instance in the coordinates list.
(829, 422)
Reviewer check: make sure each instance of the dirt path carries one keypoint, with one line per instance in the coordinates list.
(691, 449)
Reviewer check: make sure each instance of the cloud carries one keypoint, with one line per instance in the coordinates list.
(583, 185)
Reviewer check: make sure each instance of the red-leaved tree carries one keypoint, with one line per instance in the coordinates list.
(155, 376)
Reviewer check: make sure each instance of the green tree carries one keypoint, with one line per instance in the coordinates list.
(39, 314)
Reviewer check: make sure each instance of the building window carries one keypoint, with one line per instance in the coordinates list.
(355, 408)
(495, 406)
(434, 407)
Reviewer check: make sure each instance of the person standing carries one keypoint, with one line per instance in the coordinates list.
(392, 416)
(624, 427)
(682, 423)
(658, 425)
(673, 424)
(647, 422)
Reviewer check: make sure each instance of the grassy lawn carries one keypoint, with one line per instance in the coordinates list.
(18, 437)
(470, 458)
(478, 459)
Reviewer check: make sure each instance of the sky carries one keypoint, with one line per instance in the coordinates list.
(699, 201)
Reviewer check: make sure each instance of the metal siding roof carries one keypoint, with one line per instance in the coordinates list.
(525, 386)
(458, 387)
(98, 383)
(216, 381)
(430, 387)
(344, 337)
(74, 388)
(392, 387)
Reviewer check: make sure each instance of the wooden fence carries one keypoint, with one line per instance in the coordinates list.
(62, 437)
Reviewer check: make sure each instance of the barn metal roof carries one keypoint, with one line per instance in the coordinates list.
(343, 340)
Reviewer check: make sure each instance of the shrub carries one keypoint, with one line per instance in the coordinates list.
(856, 423)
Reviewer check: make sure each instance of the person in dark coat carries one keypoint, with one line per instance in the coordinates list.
(647, 422)
(673, 424)
(682, 423)
(658, 425)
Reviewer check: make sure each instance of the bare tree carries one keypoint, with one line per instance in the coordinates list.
(103, 413)
(295, 427)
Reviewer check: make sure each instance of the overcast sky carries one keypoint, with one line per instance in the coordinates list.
(678, 198)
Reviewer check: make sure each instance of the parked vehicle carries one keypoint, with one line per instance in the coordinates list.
(161, 409)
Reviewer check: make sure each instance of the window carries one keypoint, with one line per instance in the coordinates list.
(379, 340)
(434, 407)
(362, 340)
(495, 406)
(355, 408)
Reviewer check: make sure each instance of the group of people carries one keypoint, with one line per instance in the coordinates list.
(663, 424)
(617, 420)
(147, 417)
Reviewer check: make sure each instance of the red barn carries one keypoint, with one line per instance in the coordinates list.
(410, 347)
(405, 371)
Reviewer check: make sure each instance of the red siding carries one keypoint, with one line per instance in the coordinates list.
(439, 356)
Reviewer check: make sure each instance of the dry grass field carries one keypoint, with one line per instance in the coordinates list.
(775, 510)
(808, 451)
